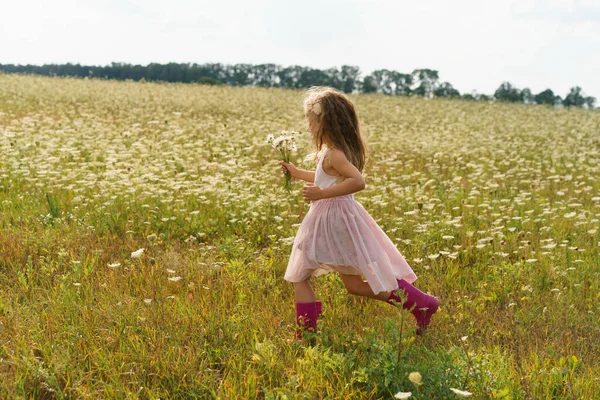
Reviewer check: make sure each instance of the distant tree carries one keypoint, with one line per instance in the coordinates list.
(590, 101)
(381, 80)
(558, 101)
(239, 74)
(333, 78)
(350, 77)
(446, 90)
(387, 82)
(265, 75)
(315, 77)
(401, 83)
(546, 97)
(576, 98)
(507, 92)
(526, 96)
(369, 85)
(427, 81)
(423, 82)
(290, 77)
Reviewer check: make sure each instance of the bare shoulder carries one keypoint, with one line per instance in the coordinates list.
(337, 156)
(342, 165)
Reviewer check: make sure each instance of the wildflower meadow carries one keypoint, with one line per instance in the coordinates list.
(144, 233)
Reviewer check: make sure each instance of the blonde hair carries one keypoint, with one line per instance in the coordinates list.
(336, 123)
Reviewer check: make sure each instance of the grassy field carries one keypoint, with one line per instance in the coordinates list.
(495, 206)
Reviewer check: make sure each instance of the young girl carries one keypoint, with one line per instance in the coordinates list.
(337, 234)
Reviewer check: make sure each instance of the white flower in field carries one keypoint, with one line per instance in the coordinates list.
(175, 278)
(275, 142)
(137, 253)
(114, 265)
(531, 260)
(570, 215)
(147, 301)
(448, 237)
(462, 393)
(415, 378)
(270, 138)
(402, 395)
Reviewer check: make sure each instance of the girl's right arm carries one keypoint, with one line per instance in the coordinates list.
(308, 176)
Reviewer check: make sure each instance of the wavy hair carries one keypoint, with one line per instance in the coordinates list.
(336, 123)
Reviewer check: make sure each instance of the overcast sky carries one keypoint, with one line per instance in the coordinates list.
(474, 44)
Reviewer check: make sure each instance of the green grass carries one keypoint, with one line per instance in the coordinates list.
(496, 207)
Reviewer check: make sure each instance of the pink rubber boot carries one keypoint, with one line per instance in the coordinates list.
(424, 305)
(306, 317)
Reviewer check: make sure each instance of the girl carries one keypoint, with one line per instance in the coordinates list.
(337, 234)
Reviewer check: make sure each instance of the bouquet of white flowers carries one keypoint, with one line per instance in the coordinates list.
(286, 144)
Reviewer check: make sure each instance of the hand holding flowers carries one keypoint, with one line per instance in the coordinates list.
(286, 144)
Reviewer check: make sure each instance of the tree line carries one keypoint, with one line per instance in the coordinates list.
(349, 79)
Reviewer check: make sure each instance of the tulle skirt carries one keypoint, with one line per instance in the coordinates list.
(338, 234)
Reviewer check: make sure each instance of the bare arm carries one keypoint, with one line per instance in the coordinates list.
(352, 183)
(308, 176)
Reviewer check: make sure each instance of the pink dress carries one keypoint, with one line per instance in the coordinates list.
(338, 234)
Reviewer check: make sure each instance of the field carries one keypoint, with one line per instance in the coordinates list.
(496, 207)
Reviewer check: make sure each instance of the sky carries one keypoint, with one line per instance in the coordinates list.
(474, 44)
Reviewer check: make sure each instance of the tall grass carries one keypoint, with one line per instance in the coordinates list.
(495, 206)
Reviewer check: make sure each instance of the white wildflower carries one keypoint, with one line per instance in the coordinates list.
(461, 392)
(137, 253)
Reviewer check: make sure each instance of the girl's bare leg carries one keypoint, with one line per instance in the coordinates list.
(303, 292)
(356, 286)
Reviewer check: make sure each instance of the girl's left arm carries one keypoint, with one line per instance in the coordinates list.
(352, 183)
